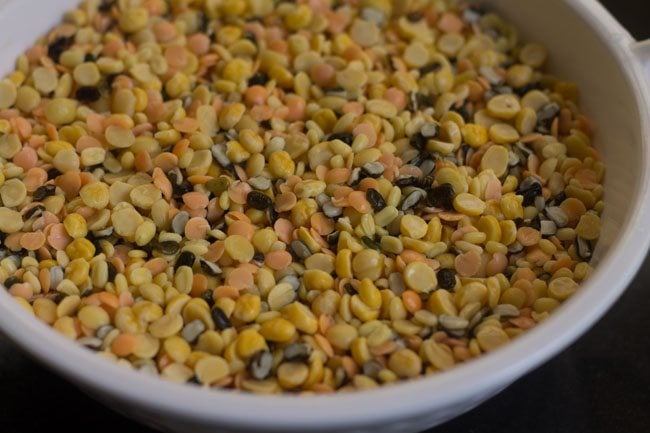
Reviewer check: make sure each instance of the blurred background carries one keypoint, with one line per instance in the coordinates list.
(599, 385)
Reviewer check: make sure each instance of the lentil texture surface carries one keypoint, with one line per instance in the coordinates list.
(308, 196)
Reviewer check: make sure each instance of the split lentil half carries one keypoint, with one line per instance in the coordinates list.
(309, 196)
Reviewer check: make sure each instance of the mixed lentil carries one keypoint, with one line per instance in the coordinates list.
(292, 195)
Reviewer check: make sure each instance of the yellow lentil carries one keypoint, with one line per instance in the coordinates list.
(405, 363)
(278, 330)
(8, 94)
(239, 248)
(210, 369)
(420, 278)
(61, 111)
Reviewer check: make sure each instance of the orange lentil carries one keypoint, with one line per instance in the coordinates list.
(354, 108)
(243, 228)
(238, 191)
(197, 228)
(324, 344)
(32, 241)
(278, 259)
(165, 161)
(524, 274)
(143, 162)
(215, 251)
(199, 284)
(284, 228)
(126, 299)
(367, 130)
(497, 264)
(156, 265)
(523, 322)
(256, 95)
(412, 301)
(468, 264)
(181, 147)
(322, 224)
(396, 97)
(225, 292)
(22, 127)
(241, 278)
(124, 344)
(34, 178)
(26, 158)
(528, 236)
(162, 183)
(359, 202)
(198, 43)
(238, 216)
(187, 125)
(58, 237)
(22, 290)
(70, 183)
(195, 200)
(296, 106)
(44, 279)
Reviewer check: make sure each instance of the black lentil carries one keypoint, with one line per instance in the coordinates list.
(87, 94)
(258, 257)
(11, 281)
(446, 279)
(56, 48)
(418, 141)
(221, 321)
(106, 5)
(441, 196)
(186, 258)
(259, 200)
(207, 297)
(426, 182)
(34, 211)
(109, 79)
(43, 192)
(403, 182)
(182, 188)
(168, 248)
(530, 193)
(345, 137)
(297, 352)
(433, 67)
(375, 199)
(414, 17)
(259, 79)
(260, 365)
(212, 269)
(371, 243)
(53, 173)
(333, 238)
(112, 272)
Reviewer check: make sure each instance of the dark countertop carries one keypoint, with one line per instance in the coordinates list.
(599, 385)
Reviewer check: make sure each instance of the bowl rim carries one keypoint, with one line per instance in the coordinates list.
(229, 408)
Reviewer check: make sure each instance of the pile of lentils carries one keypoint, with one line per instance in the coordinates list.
(292, 196)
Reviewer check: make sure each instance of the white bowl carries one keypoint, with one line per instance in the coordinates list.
(586, 45)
